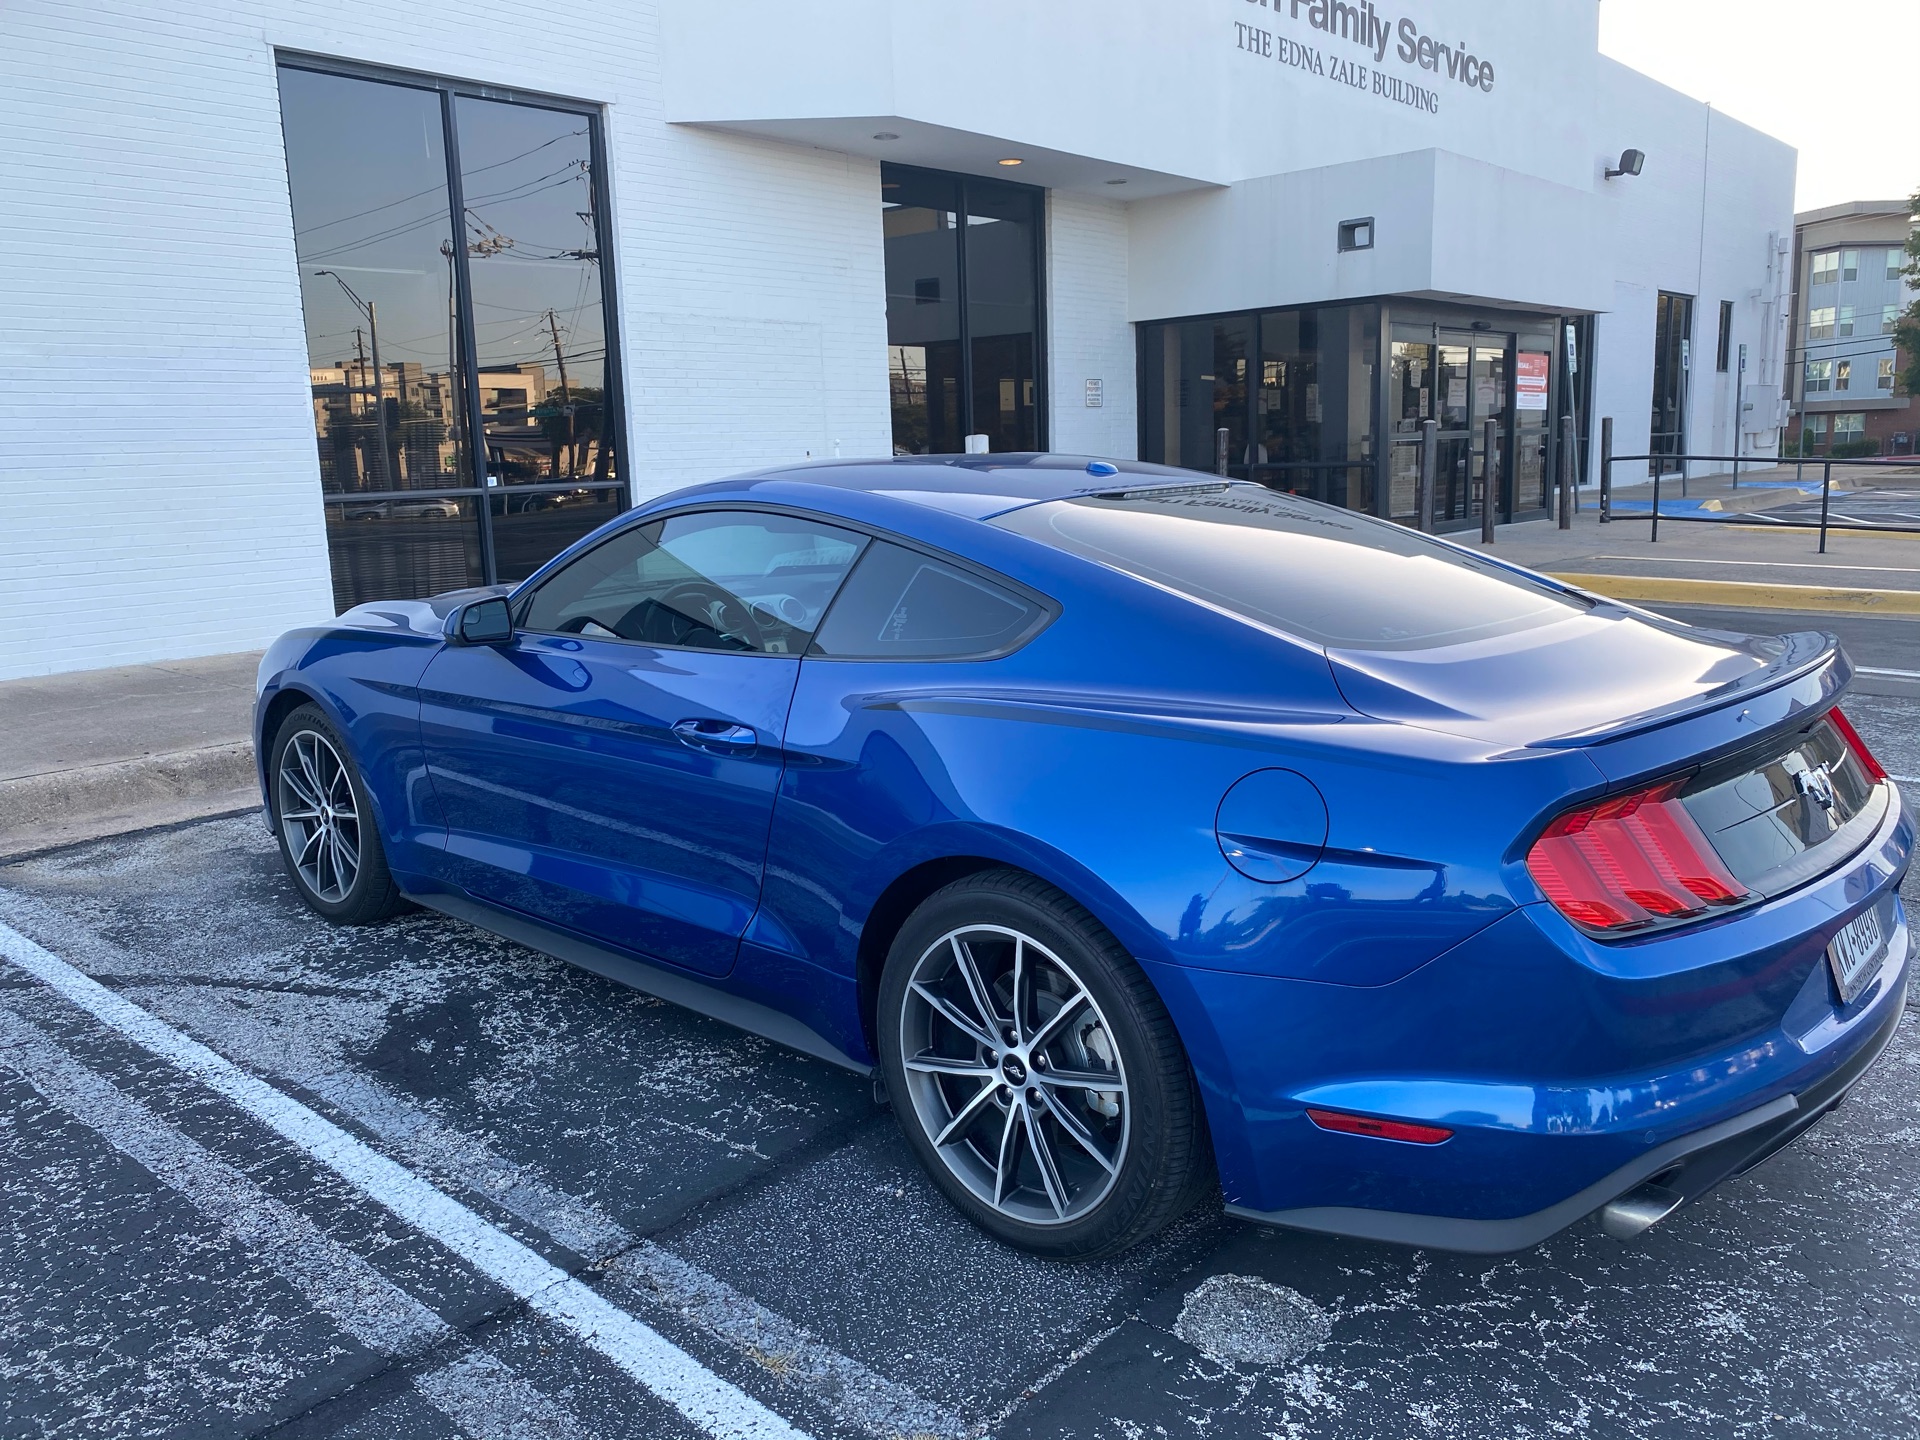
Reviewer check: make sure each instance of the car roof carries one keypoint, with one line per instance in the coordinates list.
(977, 486)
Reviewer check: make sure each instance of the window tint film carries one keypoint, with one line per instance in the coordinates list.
(902, 605)
(1334, 577)
(718, 580)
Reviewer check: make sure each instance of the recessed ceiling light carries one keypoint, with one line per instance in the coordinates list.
(886, 135)
(1011, 162)
(1116, 182)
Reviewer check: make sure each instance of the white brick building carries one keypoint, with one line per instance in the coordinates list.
(189, 269)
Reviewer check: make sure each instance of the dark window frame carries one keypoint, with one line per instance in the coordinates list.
(1723, 356)
(962, 298)
(449, 91)
(1049, 609)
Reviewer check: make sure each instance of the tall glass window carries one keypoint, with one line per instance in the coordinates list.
(464, 401)
(1672, 344)
(964, 350)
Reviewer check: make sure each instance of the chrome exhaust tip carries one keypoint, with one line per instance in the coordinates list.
(1639, 1210)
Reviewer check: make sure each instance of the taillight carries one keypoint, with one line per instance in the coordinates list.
(1630, 861)
(1875, 771)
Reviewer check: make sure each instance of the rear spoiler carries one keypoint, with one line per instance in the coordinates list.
(1805, 655)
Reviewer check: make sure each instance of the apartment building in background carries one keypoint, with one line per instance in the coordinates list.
(1849, 290)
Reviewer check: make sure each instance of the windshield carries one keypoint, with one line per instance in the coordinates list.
(1339, 579)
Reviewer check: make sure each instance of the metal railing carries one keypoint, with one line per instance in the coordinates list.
(1759, 519)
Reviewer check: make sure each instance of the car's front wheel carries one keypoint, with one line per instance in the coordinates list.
(1036, 1073)
(324, 823)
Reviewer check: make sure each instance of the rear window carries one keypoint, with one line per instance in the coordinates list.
(1336, 578)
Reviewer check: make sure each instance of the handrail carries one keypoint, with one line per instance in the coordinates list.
(1608, 460)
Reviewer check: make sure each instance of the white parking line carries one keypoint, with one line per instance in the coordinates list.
(852, 1392)
(715, 1405)
(1898, 674)
(335, 1281)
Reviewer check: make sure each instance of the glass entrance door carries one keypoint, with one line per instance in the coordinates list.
(1460, 379)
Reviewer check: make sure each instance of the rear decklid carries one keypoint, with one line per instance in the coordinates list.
(1584, 677)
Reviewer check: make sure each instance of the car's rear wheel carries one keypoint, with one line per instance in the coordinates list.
(324, 823)
(1036, 1073)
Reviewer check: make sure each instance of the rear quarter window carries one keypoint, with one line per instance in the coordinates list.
(902, 605)
(1330, 576)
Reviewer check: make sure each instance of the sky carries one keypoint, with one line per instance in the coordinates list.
(1833, 78)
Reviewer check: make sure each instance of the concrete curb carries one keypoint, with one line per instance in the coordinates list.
(62, 807)
(1738, 595)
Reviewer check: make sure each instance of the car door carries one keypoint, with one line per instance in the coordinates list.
(612, 768)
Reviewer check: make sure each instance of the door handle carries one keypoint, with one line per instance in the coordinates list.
(716, 735)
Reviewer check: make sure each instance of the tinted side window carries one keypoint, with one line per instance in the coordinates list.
(902, 605)
(714, 580)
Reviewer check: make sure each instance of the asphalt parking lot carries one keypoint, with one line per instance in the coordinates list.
(174, 1260)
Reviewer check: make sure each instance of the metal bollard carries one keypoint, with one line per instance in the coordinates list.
(1429, 464)
(1567, 442)
(1606, 469)
(1653, 537)
(1220, 451)
(1489, 483)
(1826, 496)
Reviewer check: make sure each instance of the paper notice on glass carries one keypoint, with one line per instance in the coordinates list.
(1530, 380)
(1457, 393)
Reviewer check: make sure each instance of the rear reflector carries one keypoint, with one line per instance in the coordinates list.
(1379, 1129)
(1631, 861)
(1875, 771)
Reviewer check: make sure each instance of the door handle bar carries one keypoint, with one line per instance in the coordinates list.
(716, 734)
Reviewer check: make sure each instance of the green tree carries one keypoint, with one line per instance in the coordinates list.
(1906, 333)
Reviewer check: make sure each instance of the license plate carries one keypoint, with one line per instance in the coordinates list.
(1855, 953)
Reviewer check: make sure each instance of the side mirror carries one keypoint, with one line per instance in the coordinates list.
(481, 622)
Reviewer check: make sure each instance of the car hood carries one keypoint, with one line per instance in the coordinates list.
(1596, 675)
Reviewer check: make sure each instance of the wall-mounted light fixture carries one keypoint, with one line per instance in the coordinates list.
(1630, 163)
(1356, 234)
(1011, 162)
(886, 135)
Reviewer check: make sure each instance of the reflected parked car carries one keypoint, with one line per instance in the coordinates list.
(1141, 830)
(430, 508)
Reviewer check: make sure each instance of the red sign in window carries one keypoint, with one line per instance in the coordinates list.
(1530, 380)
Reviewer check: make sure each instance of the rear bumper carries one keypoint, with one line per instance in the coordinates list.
(1687, 1168)
(1569, 1071)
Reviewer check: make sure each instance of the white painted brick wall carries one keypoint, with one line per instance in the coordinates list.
(1087, 331)
(159, 488)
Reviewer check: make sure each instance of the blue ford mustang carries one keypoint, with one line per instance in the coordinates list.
(1137, 828)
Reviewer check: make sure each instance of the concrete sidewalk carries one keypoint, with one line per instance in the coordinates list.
(99, 752)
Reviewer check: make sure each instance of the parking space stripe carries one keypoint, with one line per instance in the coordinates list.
(335, 1281)
(710, 1402)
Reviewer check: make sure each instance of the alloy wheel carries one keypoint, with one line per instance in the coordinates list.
(319, 817)
(1014, 1075)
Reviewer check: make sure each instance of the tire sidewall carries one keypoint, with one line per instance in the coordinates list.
(1148, 1093)
(372, 871)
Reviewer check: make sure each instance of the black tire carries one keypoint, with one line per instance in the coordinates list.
(369, 895)
(1155, 1152)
